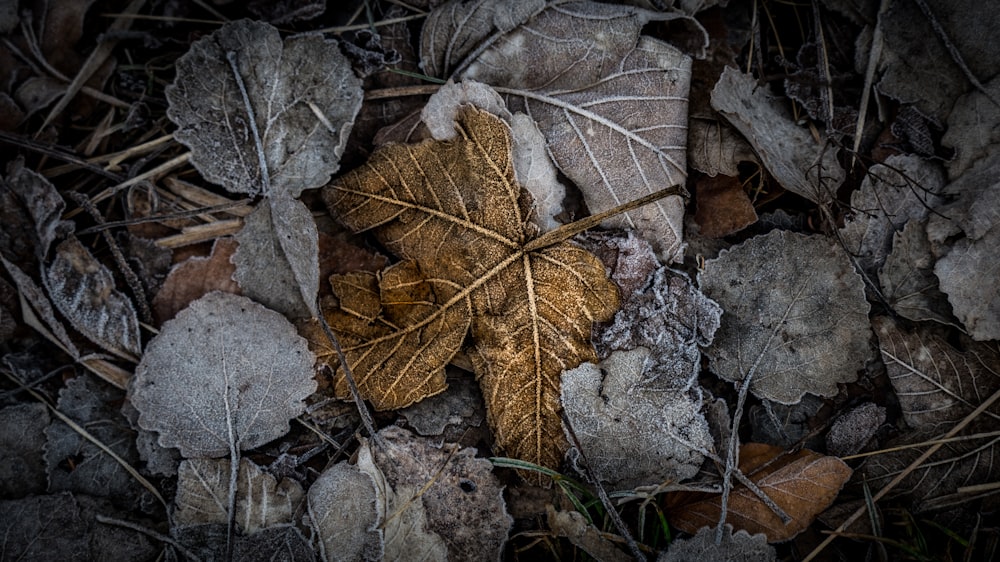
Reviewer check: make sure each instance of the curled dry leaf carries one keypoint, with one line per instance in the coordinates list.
(343, 512)
(226, 373)
(787, 150)
(632, 435)
(796, 316)
(84, 291)
(592, 99)
(907, 277)
(803, 484)
(37, 198)
(455, 213)
(304, 98)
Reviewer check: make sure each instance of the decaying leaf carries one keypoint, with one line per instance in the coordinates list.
(723, 206)
(195, 277)
(225, 373)
(261, 500)
(972, 130)
(613, 110)
(907, 277)
(714, 147)
(787, 150)
(84, 291)
(343, 512)
(936, 383)
(93, 405)
(803, 484)
(785, 425)
(454, 212)
(304, 99)
(435, 502)
(672, 319)
(630, 434)
(903, 188)
(967, 267)
(740, 546)
(37, 198)
(458, 409)
(38, 305)
(796, 316)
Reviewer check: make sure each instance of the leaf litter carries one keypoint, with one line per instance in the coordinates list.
(602, 110)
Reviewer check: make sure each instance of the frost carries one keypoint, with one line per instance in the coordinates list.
(342, 511)
(740, 546)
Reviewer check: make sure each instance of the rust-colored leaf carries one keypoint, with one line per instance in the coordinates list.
(803, 484)
(453, 211)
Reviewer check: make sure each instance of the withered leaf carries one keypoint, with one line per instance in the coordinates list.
(803, 484)
(455, 213)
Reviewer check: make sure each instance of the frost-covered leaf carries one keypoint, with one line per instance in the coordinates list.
(740, 546)
(796, 318)
(22, 436)
(632, 435)
(785, 425)
(304, 98)
(787, 150)
(457, 409)
(261, 500)
(225, 373)
(903, 188)
(613, 110)
(714, 147)
(453, 211)
(277, 262)
(84, 292)
(972, 128)
(852, 430)
(460, 515)
(967, 268)
(936, 383)
(916, 66)
(629, 259)
(671, 318)
(907, 277)
(75, 464)
(40, 306)
(342, 511)
(39, 201)
(803, 484)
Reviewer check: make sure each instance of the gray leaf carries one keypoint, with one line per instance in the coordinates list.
(304, 98)
(225, 372)
(787, 150)
(796, 318)
(277, 262)
(41, 201)
(907, 277)
(84, 291)
(740, 546)
(342, 510)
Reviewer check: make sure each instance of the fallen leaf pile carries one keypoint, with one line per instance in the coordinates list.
(508, 280)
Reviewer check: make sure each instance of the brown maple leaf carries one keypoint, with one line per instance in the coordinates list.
(472, 263)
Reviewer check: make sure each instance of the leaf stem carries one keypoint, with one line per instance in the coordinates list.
(265, 176)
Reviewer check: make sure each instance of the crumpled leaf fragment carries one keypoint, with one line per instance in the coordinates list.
(92, 405)
(583, 535)
(437, 501)
(455, 213)
(304, 98)
(632, 435)
(261, 500)
(672, 319)
(592, 83)
(803, 484)
(907, 277)
(342, 511)
(740, 546)
(225, 373)
(967, 267)
(39, 305)
(796, 316)
(936, 383)
(787, 150)
(904, 188)
(458, 409)
(84, 291)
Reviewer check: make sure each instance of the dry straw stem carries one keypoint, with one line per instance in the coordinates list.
(906, 472)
